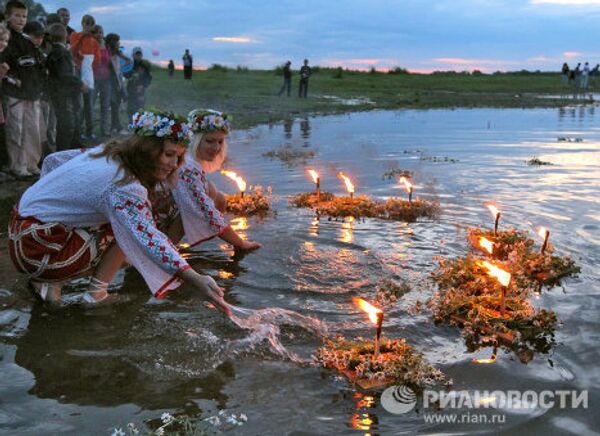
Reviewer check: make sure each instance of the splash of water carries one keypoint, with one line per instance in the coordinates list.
(264, 325)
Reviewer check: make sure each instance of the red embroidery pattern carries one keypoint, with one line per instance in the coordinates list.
(190, 177)
(142, 224)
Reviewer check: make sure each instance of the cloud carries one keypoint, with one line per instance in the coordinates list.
(364, 61)
(566, 2)
(469, 62)
(100, 10)
(234, 39)
(571, 54)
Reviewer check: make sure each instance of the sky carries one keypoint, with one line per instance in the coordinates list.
(422, 36)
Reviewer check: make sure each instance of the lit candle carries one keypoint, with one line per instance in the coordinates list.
(241, 183)
(348, 183)
(317, 180)
(408, 186)
(545, 234)
(496, 214)
(376, 317)
(502, 276)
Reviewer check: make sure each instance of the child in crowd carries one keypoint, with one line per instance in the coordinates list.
(35, 31)
(102, 81)
(4, 37)
(64, 87)
(23, 139)
(86, 52)
(139, 79)
(117, 58)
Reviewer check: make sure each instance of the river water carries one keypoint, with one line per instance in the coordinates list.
(71, 370)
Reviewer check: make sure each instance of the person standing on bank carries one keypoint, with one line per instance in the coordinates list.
(139, 78)
(117, 91)
(171, 68)
(287, 79)
(65, 17)
(64, 88)
(23, 136)
(188, 65)
(305, 73)
(86, 53)
(565, 74)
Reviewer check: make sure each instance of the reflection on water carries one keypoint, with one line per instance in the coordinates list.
(144, 356)
(346, 234)
(363, 418)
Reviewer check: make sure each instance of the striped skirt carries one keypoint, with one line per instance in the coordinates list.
(52, 251)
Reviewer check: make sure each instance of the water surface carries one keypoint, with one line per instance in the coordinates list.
(70, 370)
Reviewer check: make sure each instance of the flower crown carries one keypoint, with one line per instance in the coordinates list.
(208, 120)
(162, 125)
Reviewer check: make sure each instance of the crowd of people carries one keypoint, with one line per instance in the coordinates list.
(581, 78)
(52, 76)
(125, 202)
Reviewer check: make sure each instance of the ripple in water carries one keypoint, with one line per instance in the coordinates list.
(264, 325)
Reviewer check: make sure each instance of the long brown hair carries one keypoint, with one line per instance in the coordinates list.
(137, 157)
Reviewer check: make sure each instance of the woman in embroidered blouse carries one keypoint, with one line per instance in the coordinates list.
(90, 214)
(196, 207)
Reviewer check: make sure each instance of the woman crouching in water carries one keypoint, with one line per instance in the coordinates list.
(196, 207)
(89, 215)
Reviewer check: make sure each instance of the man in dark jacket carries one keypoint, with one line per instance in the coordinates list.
(65, 17)
(23, 136)
(287, 79)
(305, 73)
(139, 79)
(64, 88)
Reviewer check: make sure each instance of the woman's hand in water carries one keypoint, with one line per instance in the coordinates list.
(248, 245)
(208, 287)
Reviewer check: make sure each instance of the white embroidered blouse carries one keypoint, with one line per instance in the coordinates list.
(82, 192)
(201, 219)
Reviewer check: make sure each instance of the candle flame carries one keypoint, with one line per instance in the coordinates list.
(407, 185)
(502, 276)
(237, 179)
(486, 244)
(347, 181)
(486, 361)
(314, 175)
(543, 232)
(494, 210)
(371, 310)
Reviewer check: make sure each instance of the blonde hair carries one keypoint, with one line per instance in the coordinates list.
(207, 166)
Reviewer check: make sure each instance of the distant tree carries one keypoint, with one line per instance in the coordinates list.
(398, 70)
(337, 73)
(477, 73)
(219, 67)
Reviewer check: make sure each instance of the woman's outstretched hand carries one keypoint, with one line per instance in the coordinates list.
(214, 293)
(208, 287)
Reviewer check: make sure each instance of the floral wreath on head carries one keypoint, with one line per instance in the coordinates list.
(208, 120)
(166, 125)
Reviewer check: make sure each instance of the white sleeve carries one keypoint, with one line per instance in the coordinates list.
(148, 249)
(200, 217)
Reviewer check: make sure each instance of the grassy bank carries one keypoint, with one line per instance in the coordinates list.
(251, 96)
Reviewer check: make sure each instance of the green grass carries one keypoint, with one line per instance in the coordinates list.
(251, 96)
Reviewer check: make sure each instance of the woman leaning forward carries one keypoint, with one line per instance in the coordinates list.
(92, 213)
